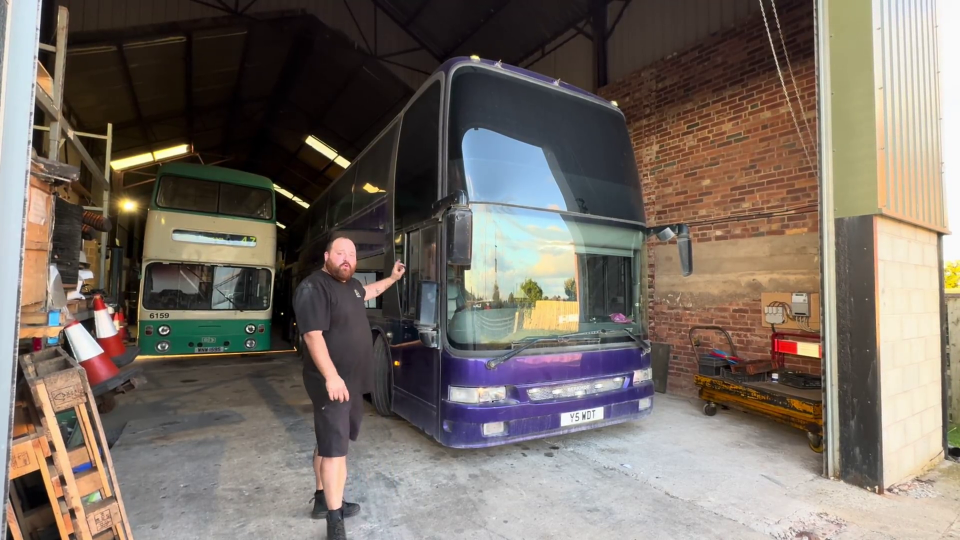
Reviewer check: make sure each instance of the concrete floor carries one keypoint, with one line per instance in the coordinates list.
(220, 448)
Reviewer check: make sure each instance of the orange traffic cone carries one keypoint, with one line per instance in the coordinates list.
(107, 335)
(95, 362)
(118, 323)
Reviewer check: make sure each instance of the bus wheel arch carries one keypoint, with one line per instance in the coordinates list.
(382, 375)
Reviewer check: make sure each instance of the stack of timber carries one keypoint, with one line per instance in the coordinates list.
(63, 483)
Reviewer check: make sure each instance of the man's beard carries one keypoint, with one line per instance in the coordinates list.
(342, 273)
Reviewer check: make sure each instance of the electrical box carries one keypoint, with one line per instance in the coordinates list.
(780, 302)
(800, 304)
(773, 315)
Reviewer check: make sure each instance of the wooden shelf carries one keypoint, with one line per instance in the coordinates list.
(30, 332)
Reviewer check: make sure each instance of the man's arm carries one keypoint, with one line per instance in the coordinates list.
(317, 347)
(375, 289)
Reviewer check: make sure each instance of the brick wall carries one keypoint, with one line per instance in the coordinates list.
(718, 149)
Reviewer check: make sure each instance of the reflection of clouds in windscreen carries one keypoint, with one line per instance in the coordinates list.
(514, 246)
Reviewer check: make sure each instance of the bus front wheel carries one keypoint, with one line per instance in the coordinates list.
(383, 377)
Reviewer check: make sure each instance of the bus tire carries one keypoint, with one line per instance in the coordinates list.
(382, 377)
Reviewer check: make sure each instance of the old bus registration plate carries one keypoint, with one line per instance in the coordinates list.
(209, 349)
(581, 417)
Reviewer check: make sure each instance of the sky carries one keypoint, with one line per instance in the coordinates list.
(949, 13)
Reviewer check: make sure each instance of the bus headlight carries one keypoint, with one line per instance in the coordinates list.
(250, 329)
(641, 376)
(459, 394)
(163, 346)
(164, 330)
(250, 343)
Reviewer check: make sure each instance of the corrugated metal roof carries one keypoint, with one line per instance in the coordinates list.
(646, 31)
(250, 79)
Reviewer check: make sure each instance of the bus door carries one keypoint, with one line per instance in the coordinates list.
(417, 377)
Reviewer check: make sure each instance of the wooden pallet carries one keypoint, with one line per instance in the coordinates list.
(57, 383)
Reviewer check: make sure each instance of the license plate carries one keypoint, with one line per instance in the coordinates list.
(209, 349)
(581, 417)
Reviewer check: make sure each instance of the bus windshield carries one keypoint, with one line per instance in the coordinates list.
(202, 287)
(517, 142)
(193, 195)
(539, 273)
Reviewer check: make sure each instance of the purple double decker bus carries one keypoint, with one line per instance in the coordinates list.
(515, 202)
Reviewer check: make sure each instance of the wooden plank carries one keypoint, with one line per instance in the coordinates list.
(52, 482)
(102, 440)
(36, 267)
(12, 524)
(30, 332)
(88, 483)
(60, 457)
(33, 318)
(90, 442)
(23, 457)
(79, 456)
(65, 389)
(103, 515)
(36, 519)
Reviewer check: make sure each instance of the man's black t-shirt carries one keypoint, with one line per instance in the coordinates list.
(337, 309)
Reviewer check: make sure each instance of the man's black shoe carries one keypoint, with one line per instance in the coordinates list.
(335, 529)
(320, 507)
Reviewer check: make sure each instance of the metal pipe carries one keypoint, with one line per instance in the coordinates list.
(828, 262)
(104, 237)
(21, 32)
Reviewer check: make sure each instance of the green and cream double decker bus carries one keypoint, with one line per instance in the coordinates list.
(209, 254)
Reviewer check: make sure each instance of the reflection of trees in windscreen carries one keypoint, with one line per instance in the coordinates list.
(203, 287)
(537, 273)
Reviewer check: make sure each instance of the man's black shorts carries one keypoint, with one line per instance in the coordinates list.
(336, 423)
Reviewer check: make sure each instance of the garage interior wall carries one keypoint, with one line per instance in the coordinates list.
(718, 149)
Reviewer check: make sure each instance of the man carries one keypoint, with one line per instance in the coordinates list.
(337, 368)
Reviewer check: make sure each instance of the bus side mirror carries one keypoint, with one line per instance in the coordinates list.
(427, 293)
(459, 226)
(685, 245)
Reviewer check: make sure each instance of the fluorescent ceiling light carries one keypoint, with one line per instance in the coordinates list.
(328, 152)
(291, 196)
(281, 225)
(149, 157)
(372, 189)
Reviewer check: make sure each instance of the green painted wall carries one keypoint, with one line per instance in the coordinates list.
(854, 114)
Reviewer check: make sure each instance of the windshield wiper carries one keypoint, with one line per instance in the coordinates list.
(494, 362)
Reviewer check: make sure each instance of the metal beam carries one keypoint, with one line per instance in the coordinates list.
(96, 38)
(46, 104)
(356, 23)
(60, 64)
(132, 94)
(616, 21)
(414, 35)
(301, 48)
(555, 36)
(598, 21)
(399, 53)
(230, 125)
(546, 52)
(20, 33)
(479, 26)
(416, 12)
(188, 85)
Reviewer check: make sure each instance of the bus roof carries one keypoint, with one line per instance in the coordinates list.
(217, 174)
(452, 64)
